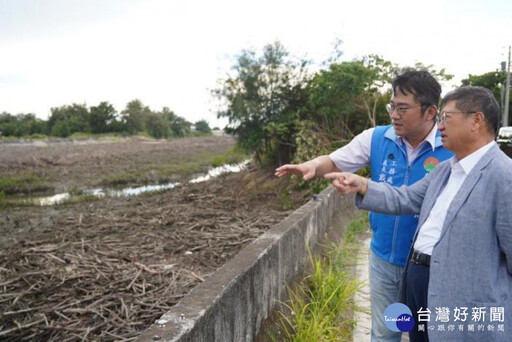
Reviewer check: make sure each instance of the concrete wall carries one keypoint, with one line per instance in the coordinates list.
(232, 303)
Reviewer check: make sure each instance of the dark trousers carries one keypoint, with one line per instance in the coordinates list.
(416, 298)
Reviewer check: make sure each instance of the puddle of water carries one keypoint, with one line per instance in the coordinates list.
(51, 199)
(220, 170)
(135, 191)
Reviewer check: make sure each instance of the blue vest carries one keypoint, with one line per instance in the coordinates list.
(392, 235)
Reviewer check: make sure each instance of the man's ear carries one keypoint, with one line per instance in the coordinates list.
(431, 112)
(478, 121)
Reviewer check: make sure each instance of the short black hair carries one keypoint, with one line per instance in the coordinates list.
(472, 99)
(420, 83)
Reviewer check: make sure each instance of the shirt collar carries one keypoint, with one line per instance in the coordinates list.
(430, 138)
(468, 163)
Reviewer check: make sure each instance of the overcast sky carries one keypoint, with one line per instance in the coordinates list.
(172, 52)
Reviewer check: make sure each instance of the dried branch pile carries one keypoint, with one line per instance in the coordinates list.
(107, 270)
(73, 291)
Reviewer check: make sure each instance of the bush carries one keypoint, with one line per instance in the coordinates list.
(233, 156)
(24, 184)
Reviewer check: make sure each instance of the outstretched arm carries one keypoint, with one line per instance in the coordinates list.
(381, 197)
(313, 168)
(348, 183)
(350, 157)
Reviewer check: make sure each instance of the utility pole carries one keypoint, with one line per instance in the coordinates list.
(507, 93)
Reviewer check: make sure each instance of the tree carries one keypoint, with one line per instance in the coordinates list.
(61, 129)
(74, 117)
(102, 118)
(336, 99)
(494, 81)
(134, 116)
(377, 87)
(158, 127)
(8, 124)
(202, 126)
(180, 127)
(262, 100)
(441, 74)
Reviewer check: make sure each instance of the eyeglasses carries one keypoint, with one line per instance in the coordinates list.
(441, 117)
(401, 109)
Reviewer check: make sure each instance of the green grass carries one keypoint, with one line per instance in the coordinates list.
(7, 202)
(346, 256)
(123, 179)
(81, 135)
(24, 184)
(37, 136)
(188, 167)
(164, 173)
(80, 199)
(14, 202)
(233, 156)
(322, 305)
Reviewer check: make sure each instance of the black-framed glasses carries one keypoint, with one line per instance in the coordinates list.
(441, 117)
(401, 109)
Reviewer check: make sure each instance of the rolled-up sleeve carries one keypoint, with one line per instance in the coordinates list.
(356, 154)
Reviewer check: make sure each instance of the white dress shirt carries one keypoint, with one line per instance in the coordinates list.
(356, 154)
(430, 231)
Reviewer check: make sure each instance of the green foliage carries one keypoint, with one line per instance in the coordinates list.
(122, 179)
(322, 305)
(202, 126)
(334, 100)
(189, 165)
(310, 142)
(61, 129)
(134, 116)
(261, 102)
(491, 80)
(102, 118)
(158, 127)
(377, 90)
(38, 136)
(494, 81)
(20, 125)
(69, 120)
(234, 156)
(179, 127)
(284, 199)
(24, 184)
(349, 97)
(270, 95)
(346, 257)
(441, 74)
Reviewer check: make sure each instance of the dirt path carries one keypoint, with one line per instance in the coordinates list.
(107, 269)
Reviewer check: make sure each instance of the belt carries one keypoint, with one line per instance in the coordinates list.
(420, 259)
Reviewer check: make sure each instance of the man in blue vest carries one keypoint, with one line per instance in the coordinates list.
(398, 154)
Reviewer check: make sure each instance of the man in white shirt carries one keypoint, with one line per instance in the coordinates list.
(460, 264)
(398, 154)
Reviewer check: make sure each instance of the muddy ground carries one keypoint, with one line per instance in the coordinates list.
(107, 269)
(84, 163)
